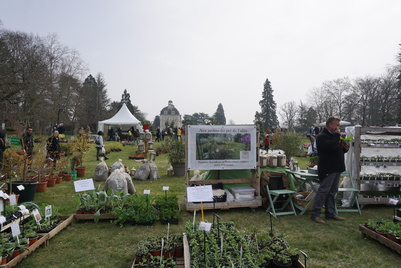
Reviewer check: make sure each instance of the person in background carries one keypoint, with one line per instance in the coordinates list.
(61, 128)
(119, 134)
(53, 148)
(2, 147)
(179, 133)
(27, 142)
(158, 134)
(266, 140)
(110, 133)
(330, 165)
(316, 130)
(99, 145)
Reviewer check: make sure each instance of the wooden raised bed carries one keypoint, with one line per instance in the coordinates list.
(43, 240)
(384, 240)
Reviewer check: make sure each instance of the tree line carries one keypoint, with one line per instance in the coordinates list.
(42, 83)
(367, 101)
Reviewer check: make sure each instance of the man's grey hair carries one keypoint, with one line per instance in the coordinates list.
(331, 119)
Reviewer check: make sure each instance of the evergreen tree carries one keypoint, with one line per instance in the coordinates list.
(399, 88)
(219, 115)
(267, 116)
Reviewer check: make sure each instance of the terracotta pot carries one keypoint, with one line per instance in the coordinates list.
(33, 240)
(15, 253)
(168, 254)
(51, 182)
(81, 171)
(179, 252)
(41, 187)
(59, 179)
(67, 177)
(4, 259)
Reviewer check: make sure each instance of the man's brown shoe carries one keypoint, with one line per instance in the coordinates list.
(336, 218)
(317, 219)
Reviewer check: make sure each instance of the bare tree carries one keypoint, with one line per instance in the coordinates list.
(288, 112)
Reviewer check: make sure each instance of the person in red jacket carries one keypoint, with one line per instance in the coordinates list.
(330, 166)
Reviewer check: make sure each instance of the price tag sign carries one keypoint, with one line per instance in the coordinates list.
(166, 188)
(146, 191)
(205, 226)
(36, 215)
(48, 211)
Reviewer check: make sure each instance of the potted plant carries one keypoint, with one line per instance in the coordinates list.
(15, 168)
(141, 252)
(282, 260)
(145, 124)
(176, 156)
(80, 147)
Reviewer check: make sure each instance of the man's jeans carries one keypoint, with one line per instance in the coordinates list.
(326, 195)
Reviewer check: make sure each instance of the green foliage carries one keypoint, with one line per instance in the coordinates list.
(176, 151)
(290, 142)
(219, 115)
(268, 115)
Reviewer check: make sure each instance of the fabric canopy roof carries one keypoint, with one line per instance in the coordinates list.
(122, 117)
(342, 123)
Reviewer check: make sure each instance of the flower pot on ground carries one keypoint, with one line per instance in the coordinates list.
(28, 193)
(51, 182)
(81, 171)
(41, 186)
(67, 177)
(176, 156)
(59, 179)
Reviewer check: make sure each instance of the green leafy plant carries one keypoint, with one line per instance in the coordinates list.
(176, 151)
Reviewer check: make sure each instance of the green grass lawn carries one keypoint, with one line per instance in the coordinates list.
(87, 244)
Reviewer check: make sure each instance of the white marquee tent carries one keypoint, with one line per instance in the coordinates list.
(122, 118)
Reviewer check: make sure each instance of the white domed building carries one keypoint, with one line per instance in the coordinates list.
(168, 115)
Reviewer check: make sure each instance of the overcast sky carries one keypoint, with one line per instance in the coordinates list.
(202, 53)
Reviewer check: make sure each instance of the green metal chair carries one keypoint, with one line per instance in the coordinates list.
(354, 196)
(288, 194)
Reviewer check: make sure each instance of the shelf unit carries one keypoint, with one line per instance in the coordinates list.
(377, 157)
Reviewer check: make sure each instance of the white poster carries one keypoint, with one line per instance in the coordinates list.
(221, 147)
(200, 193)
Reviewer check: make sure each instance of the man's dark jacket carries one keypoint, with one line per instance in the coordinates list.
(331, 154)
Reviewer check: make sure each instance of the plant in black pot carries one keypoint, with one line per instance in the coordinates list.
(176, 156)
(15, 169)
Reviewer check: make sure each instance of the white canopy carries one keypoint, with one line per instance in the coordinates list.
(122, 117)
(342, 123)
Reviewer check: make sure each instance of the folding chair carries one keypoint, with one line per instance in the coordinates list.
(276, 193)
(354, 196)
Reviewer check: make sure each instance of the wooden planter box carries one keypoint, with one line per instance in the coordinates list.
(384, 240)
(43, 240)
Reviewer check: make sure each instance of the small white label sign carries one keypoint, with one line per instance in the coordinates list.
(84, 185)
(13, 199)
(166, 188)
(200, 194)
(205, 226)
(48, 211)
(36, 215)
(15, 228)
(146, 191)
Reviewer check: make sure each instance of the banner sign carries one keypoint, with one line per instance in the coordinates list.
(217, 147)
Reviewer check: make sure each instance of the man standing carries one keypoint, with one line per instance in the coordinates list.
(27, 142)
(331, 164)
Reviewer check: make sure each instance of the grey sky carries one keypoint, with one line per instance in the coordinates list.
(202, 53)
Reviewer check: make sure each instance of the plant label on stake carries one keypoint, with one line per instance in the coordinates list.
(36, 215)
(146, 191)
(2, 220)
(1, 206)
(205, 226)
(13, 199)
(48, 211)
(165, 189)
(15, 230)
